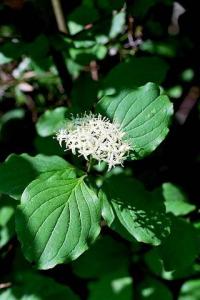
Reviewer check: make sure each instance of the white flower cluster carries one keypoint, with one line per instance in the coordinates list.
(95, 136)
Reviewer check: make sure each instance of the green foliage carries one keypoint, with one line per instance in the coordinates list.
(84, 55)
(152, 289)
(95, 257)
(82, 16)
(118, 24)
(126, 225)
(7, 210)
(143, 113)
(11, 115)
(176, 254)
(116, 286)
(47, 146)
(30, 286)
(141, 7)
(190, 290)
(143, 214)
(57, 220)
(135, 72)
(84, 93)
(176, 201)
(19, 170)
(36, 50)
(51, 121)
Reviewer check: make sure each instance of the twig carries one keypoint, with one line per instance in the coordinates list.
(59, 16)
(5, 285)
(65, 77)
(94, 70)
(57, 55)
(187, 104)
(90, 163)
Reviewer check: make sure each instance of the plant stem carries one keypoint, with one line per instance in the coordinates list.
(58, 55)
(59, 16)
(63, 72)
(90, 164)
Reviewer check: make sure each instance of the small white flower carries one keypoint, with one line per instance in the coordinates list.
(95, 136)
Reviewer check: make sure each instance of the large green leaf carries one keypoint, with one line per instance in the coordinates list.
(156, 266)
(57, 220)
(143, 113)
(178, 251)
(110, 219)
(176, 200)
(51, 121)
(152, 289)
(141, 212)
(31, 286)
(104, 250)
(190, 290)
(7, 228)
(19, 170)
(114, 286)
(134, 72)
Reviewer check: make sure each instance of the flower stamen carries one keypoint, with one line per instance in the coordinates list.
(97, 137)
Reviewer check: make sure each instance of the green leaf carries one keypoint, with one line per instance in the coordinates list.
(14, 50)
(57, 221)
(51, 121)
(103, 258)
(19, 170)
(7, 229)
(118, 24)
(115, 286)
(110, 219)
(160, 48)
(7, 206)
(156, 266)
(110, 5)
(176, 201)
(84, 93)
(47, 146)
(190, 290)
(141, 7)
(135, 72)
(106, 210)
(84, 56)
(177, 254)
(73, 67)
(30, 286)
(123, 232)
(11, 51)
(152, 289)
(38, 48)
(141, 212)
(13, 114)
(81, 16)
(143, 114)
